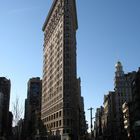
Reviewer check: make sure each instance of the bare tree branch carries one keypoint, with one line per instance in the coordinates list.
(17, 111)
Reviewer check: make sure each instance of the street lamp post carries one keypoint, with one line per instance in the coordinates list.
(91, 125)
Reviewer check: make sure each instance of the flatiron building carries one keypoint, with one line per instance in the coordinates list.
(60, 94)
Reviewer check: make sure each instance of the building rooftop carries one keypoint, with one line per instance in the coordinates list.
(51, 10)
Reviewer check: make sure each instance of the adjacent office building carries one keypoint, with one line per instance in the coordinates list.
(108, 116)
(33, 107)
(136, 105)
(113, 117)
(82, 119)
(60, 97)
(5, 86)
(98, 123)
(1, 111)
(122, 83)
(123, 91)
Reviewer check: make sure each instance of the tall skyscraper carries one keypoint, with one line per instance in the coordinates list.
(5, 86)
(60, 95)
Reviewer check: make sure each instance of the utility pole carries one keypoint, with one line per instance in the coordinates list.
(91, 125)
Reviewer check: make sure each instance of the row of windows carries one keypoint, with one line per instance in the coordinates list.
(54, 36)
(49, 61)
(54, 80)
(58, 115)
(53, 49)
(66, 122)
(58, 29)
(53, 89)
(53, 56)
(56, 94)
(52, 109)
(53, 117)
(47, 98)
(53, 73)
(54, 125)
(57, 66)
(53, 101)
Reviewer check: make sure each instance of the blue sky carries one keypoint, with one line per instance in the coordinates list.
(109, 30)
